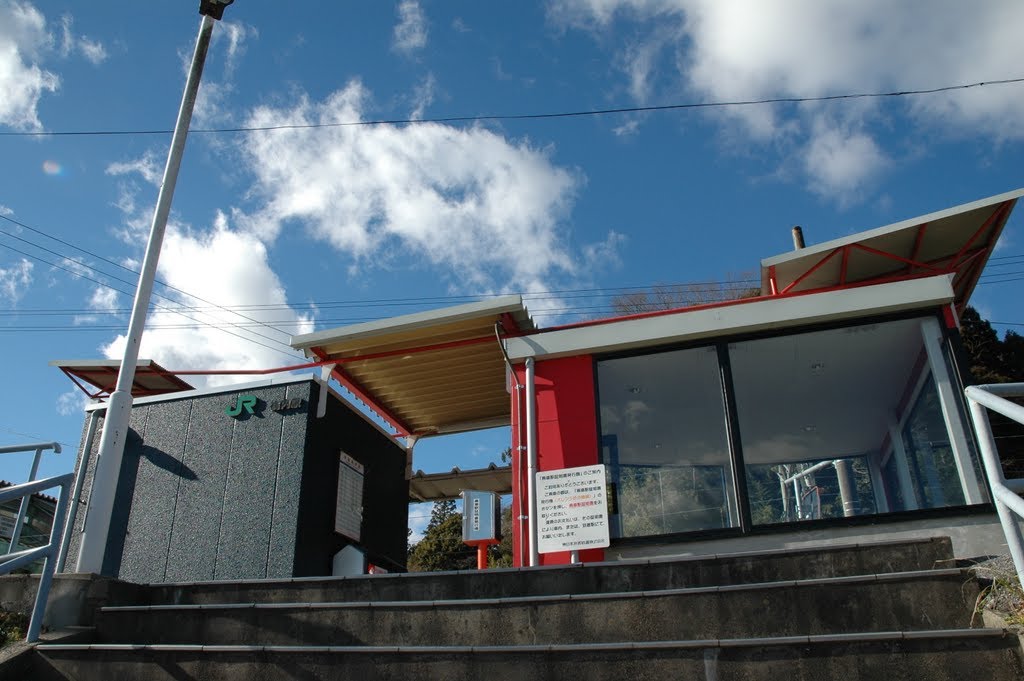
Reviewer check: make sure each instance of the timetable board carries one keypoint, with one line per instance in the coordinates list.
(348, 517)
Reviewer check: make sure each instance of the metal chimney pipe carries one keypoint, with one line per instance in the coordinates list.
(798, 238)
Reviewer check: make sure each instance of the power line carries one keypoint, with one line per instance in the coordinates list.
(115, 264)
(532, 116)
(156, 307)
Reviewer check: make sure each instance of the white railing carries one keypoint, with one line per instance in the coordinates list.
(18, 559)
(1005, 493)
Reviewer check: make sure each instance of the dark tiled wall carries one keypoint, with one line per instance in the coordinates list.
(205, 496)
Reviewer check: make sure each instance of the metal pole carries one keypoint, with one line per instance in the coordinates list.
(46, 577)
(844, 475)
(119, 407)
(23, 508)
(531, 457)
(994, 468)
(76, 495)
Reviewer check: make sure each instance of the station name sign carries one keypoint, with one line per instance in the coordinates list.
(250, 404)
(572, 509)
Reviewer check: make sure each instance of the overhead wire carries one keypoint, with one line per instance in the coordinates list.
(529, 116)
(118, 265)
(154, 305)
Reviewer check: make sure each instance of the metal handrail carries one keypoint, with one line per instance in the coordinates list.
(38, 447)
(13, 561)
(1009, 505)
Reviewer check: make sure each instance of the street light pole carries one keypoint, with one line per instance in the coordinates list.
(119, 406)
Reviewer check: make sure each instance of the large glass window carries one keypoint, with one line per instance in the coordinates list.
(664, 436)
(843, 422)
(827, 422)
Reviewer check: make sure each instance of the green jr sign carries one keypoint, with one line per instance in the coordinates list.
(246, 403)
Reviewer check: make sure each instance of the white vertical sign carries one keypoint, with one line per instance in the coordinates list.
(572, 509)
(348, 514)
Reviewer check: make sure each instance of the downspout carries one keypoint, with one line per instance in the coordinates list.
(76, 494)
(531, 456)
(520, 448)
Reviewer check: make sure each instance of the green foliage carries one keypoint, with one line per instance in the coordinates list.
(997, 361)
(500, 555)
(12, 626)
(441, 547)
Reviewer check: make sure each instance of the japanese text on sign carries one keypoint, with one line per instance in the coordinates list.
(572, 509)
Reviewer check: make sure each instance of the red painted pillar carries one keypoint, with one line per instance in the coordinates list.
(566, 438)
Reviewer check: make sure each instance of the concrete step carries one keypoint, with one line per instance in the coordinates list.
(895, 656)
(633, 575)
(920, 600)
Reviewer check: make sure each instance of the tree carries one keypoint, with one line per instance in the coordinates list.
(500, 555)
(997, 361)
(441, 547)
(669, 296)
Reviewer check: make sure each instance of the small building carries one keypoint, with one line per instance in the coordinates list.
(828, 408)
(270, 479)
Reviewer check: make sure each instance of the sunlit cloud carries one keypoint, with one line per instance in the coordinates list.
(708, 50)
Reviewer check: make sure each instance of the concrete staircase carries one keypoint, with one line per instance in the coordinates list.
(890, 611)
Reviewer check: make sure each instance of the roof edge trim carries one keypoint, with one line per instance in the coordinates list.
(457, 313)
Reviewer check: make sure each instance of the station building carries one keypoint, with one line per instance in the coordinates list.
(827, 409)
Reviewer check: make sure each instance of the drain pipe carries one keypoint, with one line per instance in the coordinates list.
(517, 392)
(76, 494)
(531, 457)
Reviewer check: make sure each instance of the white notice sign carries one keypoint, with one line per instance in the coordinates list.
(348, 514)
(572, 509)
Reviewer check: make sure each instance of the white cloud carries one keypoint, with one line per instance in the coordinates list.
(23, 38)
(104, 299)
(146, 166)
(92, 50)
(839, 162)
(746, 49)
(212, 103)
(629, 128)
(227, 269)
(15, 279)
(72, 403)
(237, 35)
(411, 30)
(423, 96)
(4, 210)
(484, 210)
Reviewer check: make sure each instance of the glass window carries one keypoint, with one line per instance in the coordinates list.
(818, 413)
(664, 438)
(929, 455)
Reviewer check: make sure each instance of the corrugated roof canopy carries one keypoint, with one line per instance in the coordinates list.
(432, 372)
(439, 486)
(150, 377)
(957, 240)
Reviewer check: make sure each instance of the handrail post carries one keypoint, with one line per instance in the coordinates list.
(23, 508)
(1008, 517)
(46, 578)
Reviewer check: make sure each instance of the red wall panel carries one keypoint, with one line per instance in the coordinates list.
(566, 436)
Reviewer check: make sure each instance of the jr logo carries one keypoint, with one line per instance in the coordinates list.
(245, 402)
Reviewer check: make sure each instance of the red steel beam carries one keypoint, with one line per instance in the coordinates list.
(811, 271)
(1000, 211)
(353, 386)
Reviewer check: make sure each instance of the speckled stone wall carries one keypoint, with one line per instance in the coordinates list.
(385, 492)
(205, 496)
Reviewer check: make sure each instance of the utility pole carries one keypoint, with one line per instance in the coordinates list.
(119, 406)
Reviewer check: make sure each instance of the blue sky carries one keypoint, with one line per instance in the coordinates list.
(310, 224)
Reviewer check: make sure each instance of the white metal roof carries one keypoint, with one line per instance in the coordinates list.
(958, 239)
(428, 372)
